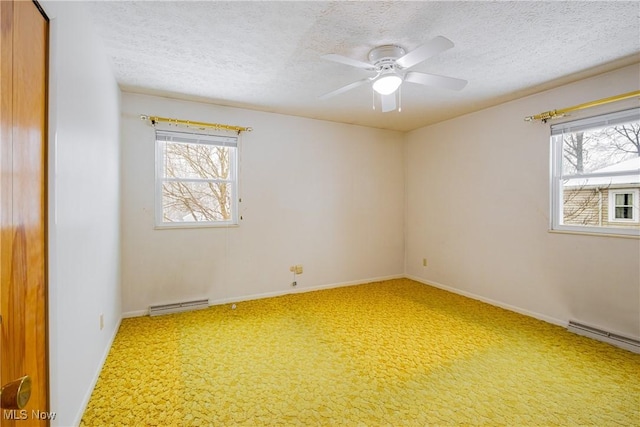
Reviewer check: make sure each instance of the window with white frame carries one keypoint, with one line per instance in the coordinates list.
(623, 205)
(196, 179)
(595, 174)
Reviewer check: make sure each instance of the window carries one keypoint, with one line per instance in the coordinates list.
(595, 174)
(623, 206)
(196, 179)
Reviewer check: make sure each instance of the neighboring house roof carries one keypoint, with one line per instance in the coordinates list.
(632, 180)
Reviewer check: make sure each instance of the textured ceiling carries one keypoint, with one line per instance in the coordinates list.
(266, 55)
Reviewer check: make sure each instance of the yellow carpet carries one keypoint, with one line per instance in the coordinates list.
(393, 353)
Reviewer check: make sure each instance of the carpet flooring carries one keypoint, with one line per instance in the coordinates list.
(392, 353)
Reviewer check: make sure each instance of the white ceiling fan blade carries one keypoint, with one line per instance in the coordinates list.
(347, 61)
(343, 89)
(424, 52)
(435, 80)
(388, 102)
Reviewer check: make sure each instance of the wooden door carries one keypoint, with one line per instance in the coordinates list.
(23, 112)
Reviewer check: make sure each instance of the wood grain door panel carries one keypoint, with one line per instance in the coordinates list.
(23, 112)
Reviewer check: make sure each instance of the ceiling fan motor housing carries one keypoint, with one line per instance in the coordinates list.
(384, 57)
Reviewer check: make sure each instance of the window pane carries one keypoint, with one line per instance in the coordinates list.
(196, 179)
(601, 149)
(624, 199)
(196, 201)
(623, 213)
(182, 160)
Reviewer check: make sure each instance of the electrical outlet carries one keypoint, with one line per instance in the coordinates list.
(424, 262)
(101, 321)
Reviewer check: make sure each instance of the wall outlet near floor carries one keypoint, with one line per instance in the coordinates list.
(101, 321)
(424, 262)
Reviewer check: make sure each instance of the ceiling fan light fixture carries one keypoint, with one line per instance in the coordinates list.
(387, 84)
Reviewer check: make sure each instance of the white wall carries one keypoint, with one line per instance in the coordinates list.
(84, 221)
(325, 195)
(478, 210)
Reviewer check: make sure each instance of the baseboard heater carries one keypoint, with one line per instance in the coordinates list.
(602, 335)
(178, 307)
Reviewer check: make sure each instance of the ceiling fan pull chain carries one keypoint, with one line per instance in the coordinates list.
(400, 99)
(373, 99)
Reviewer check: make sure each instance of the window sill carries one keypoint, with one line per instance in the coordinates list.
(597, 234)
(191, 226)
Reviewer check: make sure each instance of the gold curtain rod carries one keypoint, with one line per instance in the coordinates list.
(556, 114)
(218, 126)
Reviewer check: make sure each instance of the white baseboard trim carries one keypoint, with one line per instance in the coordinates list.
(87, 397)
(296, 290)
(509, 307)
(137, 313)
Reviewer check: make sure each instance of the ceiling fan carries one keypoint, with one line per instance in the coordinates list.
(390, 63)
